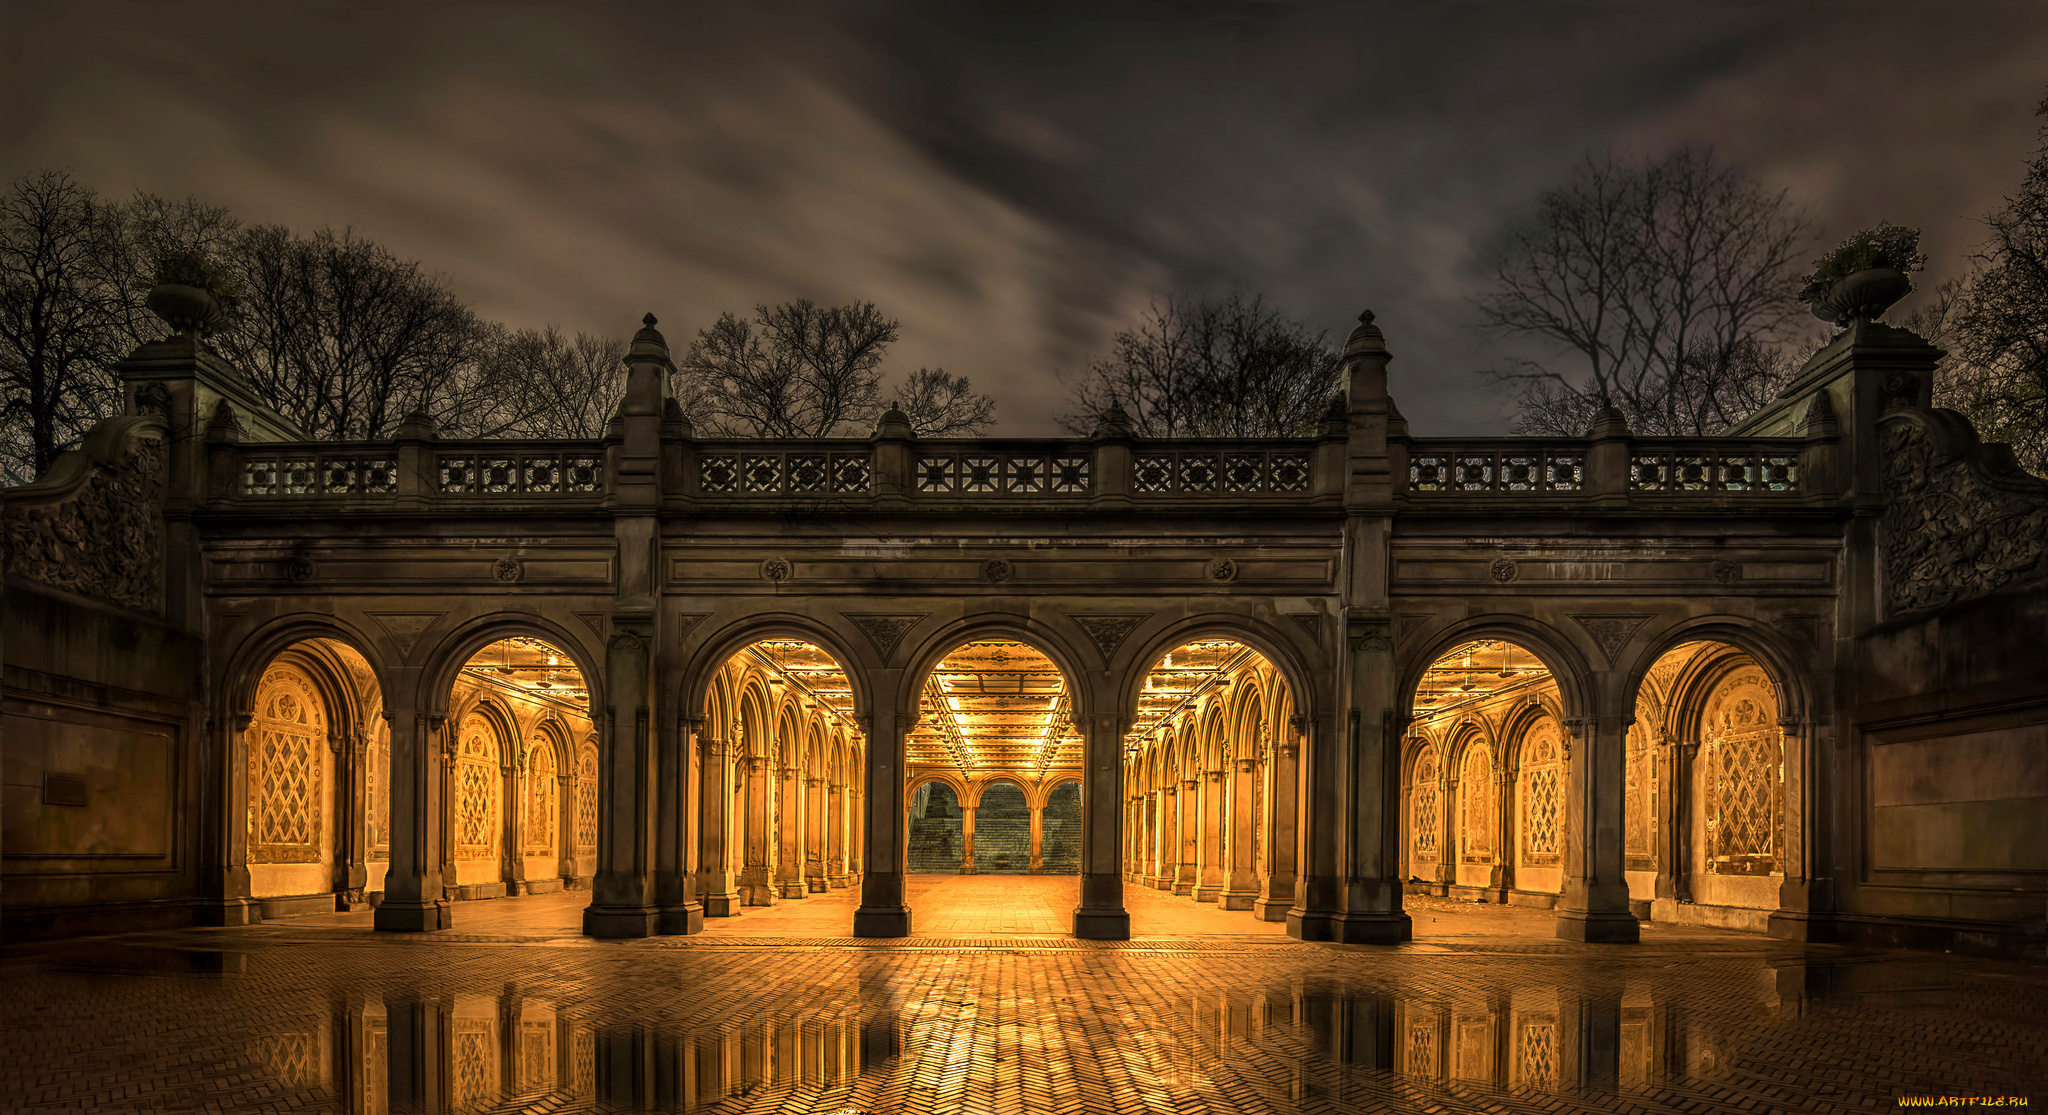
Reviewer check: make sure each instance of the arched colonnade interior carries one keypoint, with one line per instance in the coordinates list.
(1487, 758)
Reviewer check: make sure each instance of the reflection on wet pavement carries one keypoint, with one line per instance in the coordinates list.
(342, 1020)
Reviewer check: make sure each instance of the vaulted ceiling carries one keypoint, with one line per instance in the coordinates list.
(532, 670)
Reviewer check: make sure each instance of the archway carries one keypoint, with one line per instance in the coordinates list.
(1483, 779)
(1060, 831)
(521, 796)
(1211, 772)
(995, 735)
(1706, 829)
(315, 784)
(780, 757)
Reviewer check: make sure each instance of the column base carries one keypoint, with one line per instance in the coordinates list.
(837, 882)
(1372, 929)
(881, 921)
(1238, 900)
(230, 911)
(757, 894)
(1183, 888)
(681, 920)
(1305, 925)
(614, 923)
(1801, 925)
(816, 883)
(721, 905)
(1208, 894)
(1613, 928)
(790, 890)
(1271, 909)
(1102, 925)
(412, 917)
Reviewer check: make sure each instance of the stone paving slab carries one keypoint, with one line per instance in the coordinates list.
(318, 1014)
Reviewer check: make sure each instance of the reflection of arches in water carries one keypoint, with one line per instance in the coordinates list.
(1002, 831)
(935, 834)
(1060, 835)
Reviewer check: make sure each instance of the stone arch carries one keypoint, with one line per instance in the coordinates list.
(1002, 827)
(934, 838)
(444, 662)
(1559, 654)
(242, 669)
(693, 680)
(1276, 646)
(943, 640)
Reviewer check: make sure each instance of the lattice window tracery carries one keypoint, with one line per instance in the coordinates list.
(1542, 794)
(541, 811)
(1743, 753)
(1536, 1052)
(1425, 813)
(476, 788)
(1475, 800)
(1639, 808)
(377, 789)
(586, 801)
(286, 740)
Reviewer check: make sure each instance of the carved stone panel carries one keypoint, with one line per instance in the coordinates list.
(103, 539)
(1948, 533)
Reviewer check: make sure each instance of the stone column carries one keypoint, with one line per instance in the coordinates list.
(230, 902)
(1188, 839)
(1502, 879)
(1283, 803)
(1243, 887)
(883, 912)
(1101, 915)
(414, 890)
(716, 886)
(967, 839)
(678, 806)
(1209, 880)
(1165, 841)
(1038, 840)
(1805, 898)
(565, 823)
(815, 831)
(757, 885)
(835, 836)
(351, 751)
(1594, 905)
(512, 860)
(789, 874)
(1674, 821)
(622, 899)
(1372, 886)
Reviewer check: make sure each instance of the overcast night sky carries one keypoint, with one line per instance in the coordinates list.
(1012, 181)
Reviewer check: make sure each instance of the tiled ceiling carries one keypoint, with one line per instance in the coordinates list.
(1475, 672)
(996, 706)
(816, 676)
(1183, 676)
(533, 670)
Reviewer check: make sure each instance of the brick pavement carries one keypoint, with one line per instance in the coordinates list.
(984, 1011)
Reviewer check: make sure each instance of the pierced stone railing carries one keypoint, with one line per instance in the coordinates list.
(1682, 466)
(996, 470)
(754, 469)
(1496, 466)
(1562, 471)
(301, 471)
(1238, 469)
(521, 469)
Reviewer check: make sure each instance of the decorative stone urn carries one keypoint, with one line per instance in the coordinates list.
(188, 309)
(1865, 294)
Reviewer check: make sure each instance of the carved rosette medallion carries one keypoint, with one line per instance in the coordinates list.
(777, 569)
(1726, 572)
(1504, 570)
(508, 569)
(997, 570)
(300, 570)
(1222, 569)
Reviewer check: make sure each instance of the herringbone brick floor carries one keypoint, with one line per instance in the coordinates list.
(512, 1011)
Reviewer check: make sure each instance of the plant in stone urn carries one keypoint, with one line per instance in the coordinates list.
(190, 294)
(1865, 274)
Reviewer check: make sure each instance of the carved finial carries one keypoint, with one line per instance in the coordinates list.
(648, 344)
(1366, 338)
(649, 321)
(1365, 317)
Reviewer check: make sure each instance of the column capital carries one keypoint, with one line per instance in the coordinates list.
(1246, 766)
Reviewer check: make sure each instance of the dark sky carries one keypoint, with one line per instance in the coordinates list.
(1013, 181)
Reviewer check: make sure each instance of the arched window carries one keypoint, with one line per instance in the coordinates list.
(1743, 753)
(286, 741)
(476, 788)
(541, 811)
(586, 802)
(1475, 795)
(1425, 816)
(1542, 794)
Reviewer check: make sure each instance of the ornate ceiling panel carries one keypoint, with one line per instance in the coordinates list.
(533, 670)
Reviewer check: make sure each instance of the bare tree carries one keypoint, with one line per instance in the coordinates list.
(1671, 282)
(552, 385)
(940, 404)
(345, 339)
(1994, 322)
(1229, 367)
(800, 370)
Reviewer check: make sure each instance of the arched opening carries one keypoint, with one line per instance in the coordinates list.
(936, 837)
(779, 760)
(995, 721)
(1002, 832)
(1483, 779)
(1704, 824)
(521, 795)
(1211, 774)
(1060, 838)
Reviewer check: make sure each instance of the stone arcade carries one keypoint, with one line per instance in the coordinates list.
(1788, 679)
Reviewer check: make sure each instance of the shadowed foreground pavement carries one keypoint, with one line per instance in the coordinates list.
(992, 1009)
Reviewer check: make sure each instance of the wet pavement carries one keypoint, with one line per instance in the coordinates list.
(990, 1008)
